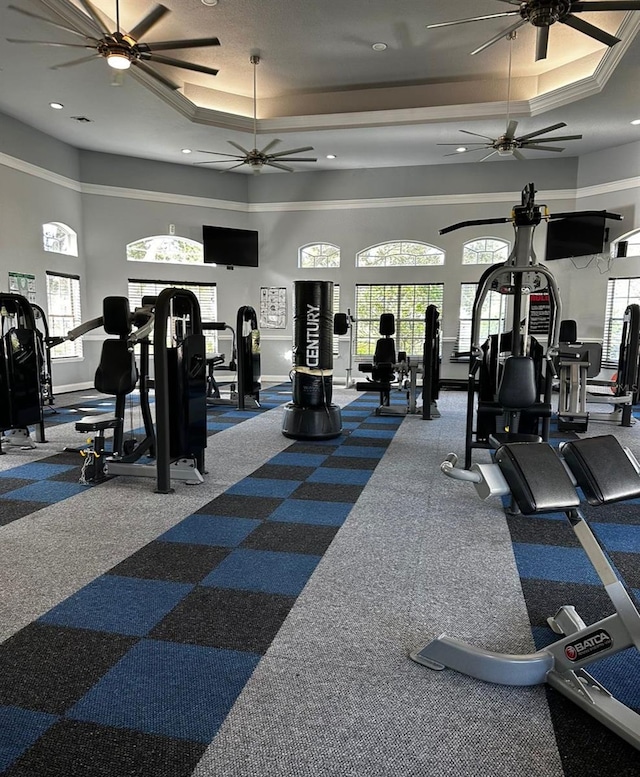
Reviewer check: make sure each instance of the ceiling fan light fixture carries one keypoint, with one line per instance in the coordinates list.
(505, 151)
(118, 61)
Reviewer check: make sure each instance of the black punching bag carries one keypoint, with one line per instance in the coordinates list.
(311, 414)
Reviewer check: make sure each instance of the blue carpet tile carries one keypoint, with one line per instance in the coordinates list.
(135, 673)
(555, 571)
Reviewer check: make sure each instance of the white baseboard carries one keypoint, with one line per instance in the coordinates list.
(73, 387)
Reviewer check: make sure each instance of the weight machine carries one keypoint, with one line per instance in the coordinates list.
(173, 446)
(519, 276)
(21, 368)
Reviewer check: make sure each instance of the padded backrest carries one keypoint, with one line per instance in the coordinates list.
(116, 373)
(387, 325)
(537, 478)
(385, 352)
(116, 316)
(568, 331)
(602, 469)
(340, 324)
(518, 383)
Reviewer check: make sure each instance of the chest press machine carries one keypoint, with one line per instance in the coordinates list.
(540, 481)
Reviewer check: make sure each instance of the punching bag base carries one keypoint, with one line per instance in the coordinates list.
(311, 423)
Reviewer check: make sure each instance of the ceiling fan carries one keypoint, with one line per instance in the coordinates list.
(122, 49)
(254, 158)
(508, 144)
(543, 13)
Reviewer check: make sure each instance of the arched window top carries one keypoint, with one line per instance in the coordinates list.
(319, 255)
(167, 249)
(485, 250)
(400, 253)
(59, 238)
(632, 239)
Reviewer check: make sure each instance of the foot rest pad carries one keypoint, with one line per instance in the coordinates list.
(537, 478)
(602, 468)
(97, 423)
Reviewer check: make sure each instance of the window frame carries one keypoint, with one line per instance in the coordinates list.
(614, 317)
(315, 265)
(437, 251)
(59, 324)
(370, 324)
(67, 239)
(506, 245)
(154, 240)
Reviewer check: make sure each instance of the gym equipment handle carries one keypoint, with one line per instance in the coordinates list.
(448, 467)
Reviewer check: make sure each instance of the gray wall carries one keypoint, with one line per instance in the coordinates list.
(112, 201)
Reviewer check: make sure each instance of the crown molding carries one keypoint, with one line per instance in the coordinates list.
(39, 172)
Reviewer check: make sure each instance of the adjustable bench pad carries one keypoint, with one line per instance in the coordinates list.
(537, 478)
(602, 468)
(97, 423)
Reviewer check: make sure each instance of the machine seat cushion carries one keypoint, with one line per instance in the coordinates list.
(97, 423)
(602, 468)
(537, 478)
(372, 385)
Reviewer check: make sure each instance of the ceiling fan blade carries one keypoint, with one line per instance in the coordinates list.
(294, 159)
(180, 63)
(95, 16)
(153, 17)
(518, 155)
(542, 148)
(473, 19)
(156, 76)
(542, 43)
(239, 147)
(271, 144)
(493, 153)
(560, 138)
(51, 43)
(500, 36)
(511, 129)
(47, 21)
(75, 61)
(279, 166)
(469, 143)
(588, 29)
(233, 167)
(542, 131)
(168, 45)
(616, 5)
(217, 153)
(477, 135)
(292, 151)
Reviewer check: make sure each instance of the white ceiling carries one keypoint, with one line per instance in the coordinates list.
(321, 84)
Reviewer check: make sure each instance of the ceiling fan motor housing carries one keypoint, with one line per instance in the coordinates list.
(544, 13)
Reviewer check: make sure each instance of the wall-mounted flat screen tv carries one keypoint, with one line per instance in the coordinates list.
(230, 247)
(580, 236)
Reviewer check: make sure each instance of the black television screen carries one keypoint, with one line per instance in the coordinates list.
(580, 236)
(230, 247)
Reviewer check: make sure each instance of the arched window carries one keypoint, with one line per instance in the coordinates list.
(318, 255)
(632, 247)
(485, 250)
(59, 238)
(167, 249)
(400, 253)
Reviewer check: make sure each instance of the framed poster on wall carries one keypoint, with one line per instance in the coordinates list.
(273, 307)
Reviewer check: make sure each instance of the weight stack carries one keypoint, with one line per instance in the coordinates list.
(311, 415)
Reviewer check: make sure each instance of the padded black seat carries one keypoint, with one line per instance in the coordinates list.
(602, 469)
(97, 423)
(517, 396)
(382, 369)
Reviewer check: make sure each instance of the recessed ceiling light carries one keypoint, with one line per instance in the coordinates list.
(209, 2)
(56, 106)
(636, 121)
(331, 156)
(186, 150)
(460, 149)
(379, 46)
